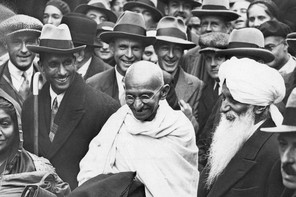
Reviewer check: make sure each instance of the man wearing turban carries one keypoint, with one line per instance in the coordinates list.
(241, 156)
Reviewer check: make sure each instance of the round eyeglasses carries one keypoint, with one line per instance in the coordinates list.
(144, 98)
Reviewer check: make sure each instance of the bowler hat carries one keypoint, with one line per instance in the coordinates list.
(83, 29)
(148, 4)
(216, 8)
(129, 25)
(289, 123)
(21, 24)
(247, 42)
(194, 3)
(83, 8)
(55, 40)
(274, 28)
(172, 29)
(213, 41)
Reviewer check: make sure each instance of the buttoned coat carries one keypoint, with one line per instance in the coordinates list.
(96, 66)
(247, 174)
(80, 116)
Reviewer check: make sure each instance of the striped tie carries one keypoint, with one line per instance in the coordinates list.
(53, 126)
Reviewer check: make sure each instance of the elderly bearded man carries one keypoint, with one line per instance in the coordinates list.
(146, 136)
(241, 156)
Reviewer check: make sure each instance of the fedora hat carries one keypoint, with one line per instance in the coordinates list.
(148, 4)
(215, 8)
(84, 8)
(247, 42)
(20, 24)
(129, 25)
(194, 3)
(172, 29)
(213, 42)
(55, 40)
(105, 26)
(289, 122)
(83, 29)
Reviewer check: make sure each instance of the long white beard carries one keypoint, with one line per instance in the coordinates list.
(228, 138)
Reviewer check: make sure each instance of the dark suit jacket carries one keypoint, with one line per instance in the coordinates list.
(96, 66)
(6, 83)
(248, 172)
(80, 116)
(105, 82)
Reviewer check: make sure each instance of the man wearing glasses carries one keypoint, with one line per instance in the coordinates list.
(275, 34)
(146, 136)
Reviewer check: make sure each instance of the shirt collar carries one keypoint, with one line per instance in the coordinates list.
(17, 73)
(83, 69)
(288, 68)
(53, 95)
(119, 79)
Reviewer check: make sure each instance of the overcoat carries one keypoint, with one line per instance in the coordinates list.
(80, 116)
(96, 66)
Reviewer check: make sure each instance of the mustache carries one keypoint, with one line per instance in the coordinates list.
(181, 14)
(288, 169)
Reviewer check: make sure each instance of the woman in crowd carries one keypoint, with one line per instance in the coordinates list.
(18, 167)
(54, 12)
(260, 11)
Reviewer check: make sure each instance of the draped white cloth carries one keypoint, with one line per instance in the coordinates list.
(254, 83)
(162, 152)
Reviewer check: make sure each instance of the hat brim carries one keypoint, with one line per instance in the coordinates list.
(193, 2)
(185, 43)
(25, 31)
(262, 54)
(110, 35)
(280, 129)
(226, 14)
(209, 49)
(156, 14)
(42, 49)
(84, 8)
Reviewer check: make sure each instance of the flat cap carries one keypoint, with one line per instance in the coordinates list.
(213, 41)
(274, 28)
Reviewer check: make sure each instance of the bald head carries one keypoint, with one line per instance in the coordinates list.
(144, 73)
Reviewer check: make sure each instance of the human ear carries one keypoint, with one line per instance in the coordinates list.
(164, 92)
(259, 109)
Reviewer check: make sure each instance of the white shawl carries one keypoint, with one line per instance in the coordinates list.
(162, 152)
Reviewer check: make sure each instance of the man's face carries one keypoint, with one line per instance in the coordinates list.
(287, 149)
(149, 22)
(142, 97)
(149, 54)
(19, 54)
(126, 52)
(169, 56)
(279, 48)
(7, 134)
(52, 15)
(240, 7)
(180, 9)
(104, 51)
(96, 15)
(213, 24)
(59, 70)
(212, 63)
(230, 107)
(257, 15)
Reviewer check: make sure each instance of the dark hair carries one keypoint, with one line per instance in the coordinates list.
(271, 8)
(8, 107)
(61, 5)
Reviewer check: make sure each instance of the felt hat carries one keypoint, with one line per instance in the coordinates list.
(105, 26)
(148, 4)
(274, 28)
(55, 40)
(291, 40)
(172, 29)
(289, 123)
(215, 8)
(194, 3)
(21, 24)
(213, 41)
(83, 8)
(129, 25)
(247, 42)
(83, 29)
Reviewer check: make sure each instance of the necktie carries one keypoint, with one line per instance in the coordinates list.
(216, 90)
(53, 126)
(24, 90)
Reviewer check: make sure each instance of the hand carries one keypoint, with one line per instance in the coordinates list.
(186, 108)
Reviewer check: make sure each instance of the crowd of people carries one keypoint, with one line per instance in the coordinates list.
(148, 98)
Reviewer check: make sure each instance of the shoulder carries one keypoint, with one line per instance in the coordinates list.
(193, 79)
(41, 163)
(100, 77)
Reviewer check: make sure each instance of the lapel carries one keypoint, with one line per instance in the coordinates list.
(70, 112)
(97, 65)
(184, 87)
(242, 162)
(208, 96)
(109, 84)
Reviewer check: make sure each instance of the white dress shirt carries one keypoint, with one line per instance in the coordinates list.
(16, 75)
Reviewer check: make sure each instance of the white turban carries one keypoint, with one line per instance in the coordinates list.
(254, 83)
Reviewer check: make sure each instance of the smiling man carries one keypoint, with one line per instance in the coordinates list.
(70, 112)
(127, 42)
(145, 126)
(16, 74)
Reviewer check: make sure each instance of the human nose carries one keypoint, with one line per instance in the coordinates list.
(256, 22)
(129, 53)
(24, 48)
(137, 104)
(288, 156)
(154, 58)
(209, 28)
(171, 52)
(49, 21)
(181, 8)
(62, 70)
(105, 45)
